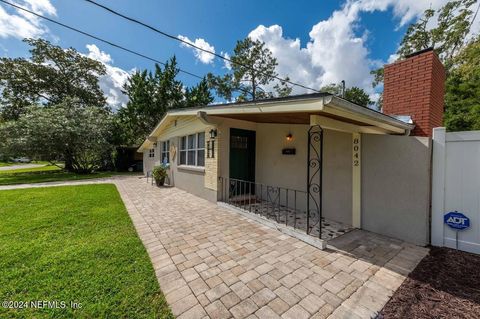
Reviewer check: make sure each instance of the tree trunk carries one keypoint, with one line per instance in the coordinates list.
(254, 88)
(68, 161)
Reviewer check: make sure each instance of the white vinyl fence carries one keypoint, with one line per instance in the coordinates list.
(456, 188)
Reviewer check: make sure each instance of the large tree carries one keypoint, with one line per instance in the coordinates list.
(451, 25)
(462, 96)
(150, 96)
(447, 37)
(253, 69)
(50, 75)
(68, 130)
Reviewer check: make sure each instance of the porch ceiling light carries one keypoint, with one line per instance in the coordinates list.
(213, 133)
(289, 137)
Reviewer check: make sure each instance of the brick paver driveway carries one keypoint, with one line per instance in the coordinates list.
(211, 262)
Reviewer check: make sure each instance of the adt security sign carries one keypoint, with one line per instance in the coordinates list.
(456, 220)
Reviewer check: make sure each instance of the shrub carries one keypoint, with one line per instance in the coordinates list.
(159, 173)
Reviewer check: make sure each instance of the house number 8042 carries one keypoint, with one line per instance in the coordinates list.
(356, 151)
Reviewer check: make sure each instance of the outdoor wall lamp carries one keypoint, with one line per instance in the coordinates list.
(289, 137)
(211, 144)
(213, 133)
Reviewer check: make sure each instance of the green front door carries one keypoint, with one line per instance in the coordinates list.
(242, 155)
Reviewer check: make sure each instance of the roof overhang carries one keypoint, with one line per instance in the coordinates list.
(330, 112)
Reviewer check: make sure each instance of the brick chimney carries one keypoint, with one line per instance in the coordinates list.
(416, 86)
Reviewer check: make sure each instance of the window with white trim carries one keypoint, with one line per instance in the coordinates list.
(151, 153)
(165, 152)
(192, 150)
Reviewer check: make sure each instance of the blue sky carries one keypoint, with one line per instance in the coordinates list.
(316, 42)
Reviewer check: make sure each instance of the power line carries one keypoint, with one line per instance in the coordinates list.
(475, 15)
(105, 41)
(192, 44)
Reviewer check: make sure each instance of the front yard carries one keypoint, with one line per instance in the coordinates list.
(74, 244)
(44, 174)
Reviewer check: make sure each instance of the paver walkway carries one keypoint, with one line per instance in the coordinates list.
(212, 262)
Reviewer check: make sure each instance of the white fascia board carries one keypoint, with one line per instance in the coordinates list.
(147, 143)
(341, 107)
(292, 106)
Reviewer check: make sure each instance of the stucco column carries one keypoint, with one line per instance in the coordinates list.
(356, 180)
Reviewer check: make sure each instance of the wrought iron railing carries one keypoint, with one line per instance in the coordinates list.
(283, 205)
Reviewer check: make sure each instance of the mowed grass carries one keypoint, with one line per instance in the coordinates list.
(45, 168)
(6, 164)
(48, 174)
(13, 163)
(74, 244)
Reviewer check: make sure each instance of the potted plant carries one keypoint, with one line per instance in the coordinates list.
(159, 174)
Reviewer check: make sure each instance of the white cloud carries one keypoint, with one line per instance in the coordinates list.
(226, 63)
(41, 6)
(202, 56)
(20, 24)
(405, 10)
(335, 52)
(95, 53)
(112, 82)
(293, 60)
(393, 57)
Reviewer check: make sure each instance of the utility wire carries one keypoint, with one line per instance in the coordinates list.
(104, 41)
(170, 36)
(475, 15)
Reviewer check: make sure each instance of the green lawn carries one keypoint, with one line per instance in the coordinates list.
(9, 178)
(6, 164)
(46, 168)
(13, 163)
(74, 244)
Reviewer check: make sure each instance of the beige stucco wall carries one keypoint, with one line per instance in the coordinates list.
(396, 186)
(290, 171)
(272, 168)
(337, 176)
(191, 180)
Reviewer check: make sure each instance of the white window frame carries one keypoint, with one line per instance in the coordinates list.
(184, 149)
(165, 151)
(151, 153)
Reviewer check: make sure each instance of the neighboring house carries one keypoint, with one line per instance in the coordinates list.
(301, 159)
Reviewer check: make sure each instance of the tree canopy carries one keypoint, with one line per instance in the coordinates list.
(253, 68)
(151, 95)
(447, 37)
(462, 97)
(68, 130)
(451, 25)
(49, 76)
(52, 107)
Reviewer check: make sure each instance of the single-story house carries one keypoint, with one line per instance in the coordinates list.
(316, 163)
